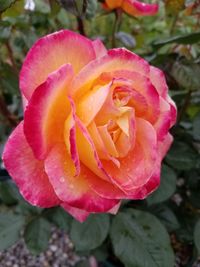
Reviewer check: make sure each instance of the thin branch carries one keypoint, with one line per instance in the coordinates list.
(184, 107)
(116, 25)
(11, 57)
(12, 119)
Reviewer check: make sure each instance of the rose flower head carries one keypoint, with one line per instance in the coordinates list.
(132, 7)
(95, 129)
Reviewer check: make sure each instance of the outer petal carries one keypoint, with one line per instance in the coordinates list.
(114, 3)
(158, 79)
(51, 52)
(165, 145)
(99, 48)
(46, 112)
(73, 190)
(78, 214)
(27, 172)
(136, 8)
(116, 59)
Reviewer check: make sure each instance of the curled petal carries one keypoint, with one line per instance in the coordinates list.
(46, 111)
(89, 105)
(137, 8)
(78, 214)
(51, 52)
(138, 166)
(115, 59)
(99, 48)
(111, 4)
(28, 172)
(158, 79)
(165, 145)
(73, 190)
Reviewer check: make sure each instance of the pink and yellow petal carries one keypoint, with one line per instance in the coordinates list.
(28, 172)
(91, 103)
(51, 52)
(47, 111)
(138, 166)
(73, 190)
(116, 59)
(99, 48)
(78, 214)
(137, 8)
(114, 3)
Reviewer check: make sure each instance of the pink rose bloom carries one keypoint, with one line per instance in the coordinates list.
(96, 126)
(132, 7)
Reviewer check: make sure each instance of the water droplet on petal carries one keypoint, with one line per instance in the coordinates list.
(62, 179)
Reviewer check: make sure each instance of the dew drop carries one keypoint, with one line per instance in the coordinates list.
(62, 179)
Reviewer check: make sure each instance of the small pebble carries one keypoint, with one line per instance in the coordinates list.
(60, 253)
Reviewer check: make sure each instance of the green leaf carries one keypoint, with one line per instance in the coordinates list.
(197, 236)
(10, 227)
(5, 4)
(167, 217)
(140, 240)
(15, 9)
(182, 157)
(70, 6)
(196, 127)
(5, 32)
(37, 234)
(42, 6)
(8, 193)
(9, 79)
(187, 74)
(91, 233)
(91, 8)
(167, 186)
(60, 218)
(82, 264)
(191, 38)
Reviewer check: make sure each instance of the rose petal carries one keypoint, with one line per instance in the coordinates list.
(49, 53)
(113, 3)
(99, 48)
(116, 59)
(74, 191)
(78, 214)
(144, 96)
(137, 8)
(28, 172)
(47, 111)
(138, 166)
(158, 79)
(89, 105)
(162, 125)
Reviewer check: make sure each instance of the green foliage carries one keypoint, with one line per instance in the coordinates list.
(91, 233)
(197, 236)
(37, 234)
(10, 226)
(140, 240)
(134, 237)
(166, 188)
(5, 4)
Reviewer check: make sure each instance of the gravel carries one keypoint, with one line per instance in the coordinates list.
(60, 253)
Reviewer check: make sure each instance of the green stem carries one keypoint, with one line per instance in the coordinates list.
(184, 107)
(11, 57)
(173, 26)
(116, 25)
(12, 120)
(79, 17)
